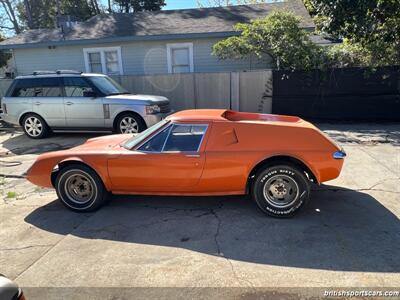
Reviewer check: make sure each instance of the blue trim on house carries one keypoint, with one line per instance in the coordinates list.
(118, 39)
(121, 39)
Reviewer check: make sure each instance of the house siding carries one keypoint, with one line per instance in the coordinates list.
(138, 58)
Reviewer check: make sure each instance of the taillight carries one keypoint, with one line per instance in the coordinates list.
(339, 154)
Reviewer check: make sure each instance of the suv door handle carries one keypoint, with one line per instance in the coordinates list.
(38, 103)
(69, 103)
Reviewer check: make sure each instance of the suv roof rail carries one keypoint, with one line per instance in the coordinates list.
(56, 72)
(43, 72)
(68, 72)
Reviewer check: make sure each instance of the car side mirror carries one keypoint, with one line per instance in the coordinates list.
(89, 94)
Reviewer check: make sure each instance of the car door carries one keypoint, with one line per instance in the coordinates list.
(171, 161)
(47, 99)
(83, 106)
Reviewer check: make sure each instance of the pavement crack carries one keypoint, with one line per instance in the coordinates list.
(12, 176)
(219, 250)
(26, 247)
(386, 167)
(52, 247)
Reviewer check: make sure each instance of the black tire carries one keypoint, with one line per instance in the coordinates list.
(80, 189)
(281, 190)
(137, 126)
(35, 127)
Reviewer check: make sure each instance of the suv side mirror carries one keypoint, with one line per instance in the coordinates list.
(89, 94)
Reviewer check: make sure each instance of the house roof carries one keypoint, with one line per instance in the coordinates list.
(165, 24)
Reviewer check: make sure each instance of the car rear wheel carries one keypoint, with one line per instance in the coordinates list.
(281, 190)
(80, 188)
(35, 127)
(130, 123)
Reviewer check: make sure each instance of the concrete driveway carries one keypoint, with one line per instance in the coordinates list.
(348, 236)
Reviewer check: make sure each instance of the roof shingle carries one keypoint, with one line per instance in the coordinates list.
(165, 22)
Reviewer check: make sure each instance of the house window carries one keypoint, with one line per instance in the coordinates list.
(180, 58)
(103, 60)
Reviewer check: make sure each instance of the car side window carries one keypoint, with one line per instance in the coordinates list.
(185, 138)
(76, 87)
(156, 143)
(37, 87)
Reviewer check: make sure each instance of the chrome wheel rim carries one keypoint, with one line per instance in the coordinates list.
(281, 191)
(129, 125)
(33, 126)
(79, 188)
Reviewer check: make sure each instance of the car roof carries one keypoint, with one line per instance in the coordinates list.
(199, 115)
(229, 115)
(235, 117)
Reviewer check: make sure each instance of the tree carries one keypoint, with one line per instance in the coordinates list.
(205, 3)
(8, 18)
(373, 25)
(42, 13)
(278, 35)
(4, 56)
(139, 5)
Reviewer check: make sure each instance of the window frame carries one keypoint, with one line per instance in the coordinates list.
(102, 50)
(171, 47)
(169, 127)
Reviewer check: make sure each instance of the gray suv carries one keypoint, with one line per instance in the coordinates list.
(68, 101)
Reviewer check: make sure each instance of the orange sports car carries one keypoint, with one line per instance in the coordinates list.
(197, 152)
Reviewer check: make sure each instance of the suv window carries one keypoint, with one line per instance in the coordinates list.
(37, 87)
(76, 87)
(185, 138)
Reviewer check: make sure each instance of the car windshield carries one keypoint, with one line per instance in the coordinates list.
(107, 85)
(135, 140)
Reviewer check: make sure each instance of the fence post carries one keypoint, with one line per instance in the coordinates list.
(195, 90)
(235, 91)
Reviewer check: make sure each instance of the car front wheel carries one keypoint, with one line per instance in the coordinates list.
(129, 123)
(80, 188)
(280, 191)
(35, 127)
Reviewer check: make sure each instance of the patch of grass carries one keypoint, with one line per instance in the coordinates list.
(11, 194)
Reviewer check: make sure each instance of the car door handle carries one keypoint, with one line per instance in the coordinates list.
(193, 155)
(69, 103)
(37, 103)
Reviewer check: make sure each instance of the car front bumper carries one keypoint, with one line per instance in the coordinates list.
(154, 119)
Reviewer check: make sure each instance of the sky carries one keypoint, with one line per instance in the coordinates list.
(178, 4)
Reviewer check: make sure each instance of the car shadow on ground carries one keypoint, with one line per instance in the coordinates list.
(19, 144)
(341, 229)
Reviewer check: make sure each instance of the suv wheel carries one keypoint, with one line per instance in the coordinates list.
(280, 191)
(80, 188)
(129, 123)
(35, 127)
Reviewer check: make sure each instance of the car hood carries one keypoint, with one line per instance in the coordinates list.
(103, 143)
(150, 99)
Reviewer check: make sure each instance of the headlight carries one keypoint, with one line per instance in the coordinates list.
(152, 109)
